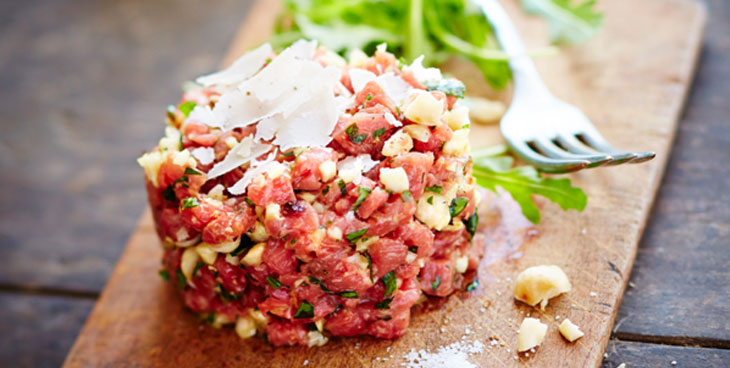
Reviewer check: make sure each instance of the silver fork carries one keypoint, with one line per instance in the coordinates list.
(548, 133)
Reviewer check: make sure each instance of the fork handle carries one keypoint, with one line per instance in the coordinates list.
(524, 74)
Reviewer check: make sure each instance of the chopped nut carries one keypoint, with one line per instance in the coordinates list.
(540, 283)
(532, 332)
(570, 331)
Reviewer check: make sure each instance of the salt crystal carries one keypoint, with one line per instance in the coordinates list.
(305, 362)
(674, 362)
(557, 317)
(593, 293)
(451, 356)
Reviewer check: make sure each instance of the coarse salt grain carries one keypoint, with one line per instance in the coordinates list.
(451, 356)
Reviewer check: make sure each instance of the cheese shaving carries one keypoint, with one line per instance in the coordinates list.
(424, 74)
(392, 120)
(245, 151)
(204, 155)
(241, 69)
(258, 167)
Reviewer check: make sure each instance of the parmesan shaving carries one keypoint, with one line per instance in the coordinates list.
(258, 167)
(424, 74)
(204, 155)
(392, 120)
(241, 69)
(245, 151)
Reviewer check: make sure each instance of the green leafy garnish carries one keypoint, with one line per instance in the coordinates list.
(169, 194)
(348, 294)
(355, 235)
(363, 195)
(471, 223)
(226, 295)
(435, 188)
(164, 274)
(385, 304)
(191, 171)
(187, 107)
(325, 190)
(451, 87)
(181, 280)
(390, 284)
(370, 264)
(353, 134)
(343, 187)
(457, 206)
(378, 132)
(306, 310)
(316, 281)
(274, 283)
(472, 285)
(190, 202)
(436, 283)
(523, 181)
(406, 196)
(567, 22)
(197, 268)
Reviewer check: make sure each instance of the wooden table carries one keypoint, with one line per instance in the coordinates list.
(84, 88)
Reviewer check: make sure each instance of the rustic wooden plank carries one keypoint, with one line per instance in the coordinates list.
(643, 355)
(38, 330)
(618, 79)
(83, 83)
(681, 271)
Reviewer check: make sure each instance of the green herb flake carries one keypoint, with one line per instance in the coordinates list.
(435, 188)
(169, 194)
(378, 133)
(288, 154)
(190, 202)
(343, 187)
(363, 195)
(355, 235)
(274, 283)
(369, 97)
(436, 283)
(472, 285)
(317, 281)
(348, 294)
(429, 200)
(181, 280)
(226, 295)
(390, 283)
(164, 274)
(385, 304)
(187, 107)
(325, 190)
(210, 318)
(406, 196)
(197, 268)
(471, 223)
(457, 206)
(306, 310)
(191, 171)
(353, 134)
(294, 241)
(370, 264)
(413, 249)
(249, 201)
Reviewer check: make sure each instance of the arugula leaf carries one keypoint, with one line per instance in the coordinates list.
(353, 134)
(471, 223)
(457, 206)
(524, 181)
(567, 22)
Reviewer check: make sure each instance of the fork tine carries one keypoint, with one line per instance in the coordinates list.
(595, 140)
(546, 164)
(573, 144)
(552, 150)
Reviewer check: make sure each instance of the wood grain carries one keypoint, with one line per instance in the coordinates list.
(642, 355)
(633, 89)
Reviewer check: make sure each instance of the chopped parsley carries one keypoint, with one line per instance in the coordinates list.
(353, 134)
(317, 281)
(363, 195)
(190, 202)
(435, 188)
(385, 304)
(472, 285)
(370, 264)
(191, 171)
(355, 235)
(226, 295)
(378, 132)
(436, 283)
(369, 97)
(451, 87)
(306, 310)
(325, 190)
(210, 318)
(187, 107)
(181, 280)
(249, 201)
(294, 241)
(164, 274)
(274, 283)
(413, 249)
(471, 223)
(457, 206)
(288, 154)
(197, 268)
(343, 187)
(348, 294)
(390, 283)
(429, 200)
(169, 194)
(406, 196)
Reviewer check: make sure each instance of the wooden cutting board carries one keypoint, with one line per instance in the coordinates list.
(631, 80)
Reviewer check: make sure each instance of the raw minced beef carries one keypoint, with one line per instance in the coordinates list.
(317, 240)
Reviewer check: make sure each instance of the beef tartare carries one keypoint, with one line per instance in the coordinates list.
(306, 196)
